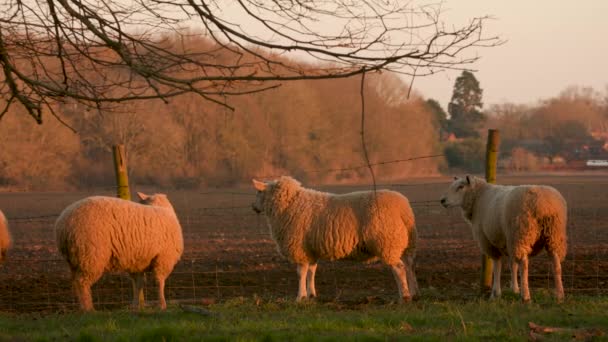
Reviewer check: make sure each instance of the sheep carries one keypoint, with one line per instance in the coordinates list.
(514, 221)
(98, 234)
(5, 237)
(309, 225)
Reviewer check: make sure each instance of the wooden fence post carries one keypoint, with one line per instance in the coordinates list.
(120, 166)
(491, 161)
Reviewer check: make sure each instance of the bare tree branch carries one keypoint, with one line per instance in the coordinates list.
(362, 132)
(103, 52)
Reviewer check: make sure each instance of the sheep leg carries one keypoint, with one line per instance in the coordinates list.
(160, 280)
(399, 272)
(138, 290)
(557, 277)
(525, 291)
(82, 287)
(514, 282)
(496, 265)
(411, 275)
(162, 268)
(302, 273)
(310, 280)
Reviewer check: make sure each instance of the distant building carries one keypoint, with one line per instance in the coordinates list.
(452, 138)
(602, 138)
(597, 163)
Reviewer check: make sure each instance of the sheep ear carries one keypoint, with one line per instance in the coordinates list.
(142, 196)
(468, 180)
(260, 186)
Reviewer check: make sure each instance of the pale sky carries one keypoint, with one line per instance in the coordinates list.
(550, 45)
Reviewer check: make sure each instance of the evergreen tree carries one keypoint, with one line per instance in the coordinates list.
(466, 117)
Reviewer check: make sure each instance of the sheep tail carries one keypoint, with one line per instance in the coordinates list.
(413, 237)
(62, 246)
(407, 217)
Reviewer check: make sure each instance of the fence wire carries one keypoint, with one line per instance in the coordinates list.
(229, 252)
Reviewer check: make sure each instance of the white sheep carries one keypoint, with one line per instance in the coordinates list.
(309, 225)
(5, 237)
(515, 221)
(99, 234)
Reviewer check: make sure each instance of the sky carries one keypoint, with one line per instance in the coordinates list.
(550, 46)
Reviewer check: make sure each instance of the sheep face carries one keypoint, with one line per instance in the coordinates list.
(454, 196)
(263, 190)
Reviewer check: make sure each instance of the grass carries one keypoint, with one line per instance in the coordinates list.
(254, 319)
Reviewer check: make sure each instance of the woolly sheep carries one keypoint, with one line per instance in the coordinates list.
(5, 237)
(309, 225)
(99, 234)
(516, 221)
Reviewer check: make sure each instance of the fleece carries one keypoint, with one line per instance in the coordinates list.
(514, 221)
(309, 225)
(99, 234)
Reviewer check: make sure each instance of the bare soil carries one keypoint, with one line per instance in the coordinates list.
(229, 252)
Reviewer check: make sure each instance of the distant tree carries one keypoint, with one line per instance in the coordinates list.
(466, 117)
(466, 155)
(512, 120)
(523, 160)
(567, 139)
(440, 117)
(36, 157)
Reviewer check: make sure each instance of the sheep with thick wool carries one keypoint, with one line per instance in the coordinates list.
(99, 234)
(514, 221)
(309, 225)
(5, 237)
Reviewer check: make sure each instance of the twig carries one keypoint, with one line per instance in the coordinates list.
(197, 310)
(363, 143)
(536, 332)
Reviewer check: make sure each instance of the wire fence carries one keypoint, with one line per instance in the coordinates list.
(229, 252)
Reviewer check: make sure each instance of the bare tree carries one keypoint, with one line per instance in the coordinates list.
(103, 52)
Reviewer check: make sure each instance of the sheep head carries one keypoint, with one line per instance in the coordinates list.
(455, 195)
(278, 191)
(156, 200)
(261, 192)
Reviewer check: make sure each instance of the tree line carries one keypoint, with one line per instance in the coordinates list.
(308, 129)
(572, 126)
(218, 104)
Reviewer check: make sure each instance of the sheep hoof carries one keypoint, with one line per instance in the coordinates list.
(526, 300)
(406, 299)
